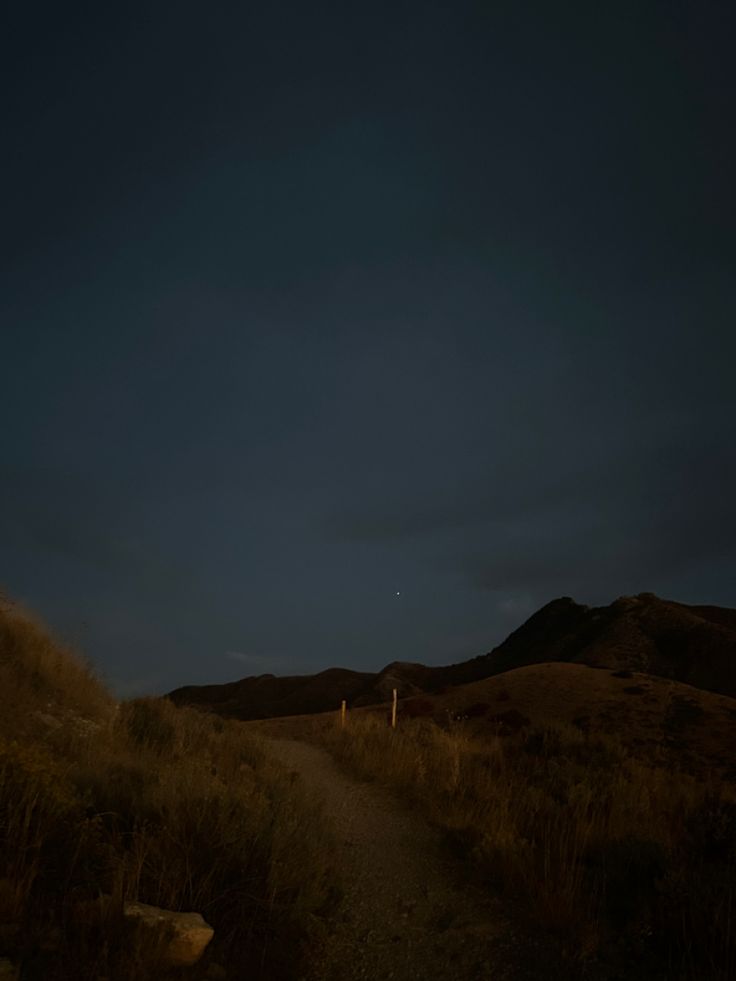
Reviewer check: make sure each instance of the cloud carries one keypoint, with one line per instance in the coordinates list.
(607, 548)
(517, 607)
(402, 522)
(51, 514)
(501, 489)
(56, 513)
(133, 687)
(268, 663)
(598, 522)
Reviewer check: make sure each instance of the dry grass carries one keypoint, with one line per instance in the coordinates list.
(101, 803)
(39, 676)
(623, 862)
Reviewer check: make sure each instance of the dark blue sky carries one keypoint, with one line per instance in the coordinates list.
(306, 304)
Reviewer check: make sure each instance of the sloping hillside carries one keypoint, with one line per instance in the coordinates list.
(43, 685)
(695, 645)
(661, 721)
(692, 644)
(105, 806)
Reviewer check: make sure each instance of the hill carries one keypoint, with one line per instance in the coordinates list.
(695, 645)
(603, 802)
(692, 644)
(663, 722)
(266, 695)
(109, 808)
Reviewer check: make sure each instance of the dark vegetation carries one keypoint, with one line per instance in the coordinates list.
(102, 803)
(691, 644)
(630, 866)
(600, 803)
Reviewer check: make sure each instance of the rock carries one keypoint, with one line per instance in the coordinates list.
(188, 934)
(8, 971)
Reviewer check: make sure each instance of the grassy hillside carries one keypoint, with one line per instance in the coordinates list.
(103, 802)
(630, 865)
(602, 803)
(656, 720)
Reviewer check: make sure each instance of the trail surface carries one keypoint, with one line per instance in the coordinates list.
(405, 915)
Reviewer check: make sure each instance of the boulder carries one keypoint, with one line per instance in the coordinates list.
(186, 934)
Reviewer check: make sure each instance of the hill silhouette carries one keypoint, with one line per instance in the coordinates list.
(266, 696)
(692, 644)
(695, 645)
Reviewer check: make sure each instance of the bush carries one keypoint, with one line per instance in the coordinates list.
(146, 723)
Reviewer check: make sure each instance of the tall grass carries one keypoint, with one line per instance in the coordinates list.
(39, 676)
(620, 860)
(102, 803)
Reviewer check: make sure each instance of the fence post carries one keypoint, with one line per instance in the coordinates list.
(342, 714)
(393, 710)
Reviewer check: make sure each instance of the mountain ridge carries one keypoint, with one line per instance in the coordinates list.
(695, 645)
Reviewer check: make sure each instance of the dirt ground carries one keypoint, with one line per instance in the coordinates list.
(405, 916)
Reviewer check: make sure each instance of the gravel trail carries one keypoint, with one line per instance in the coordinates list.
(405, 916)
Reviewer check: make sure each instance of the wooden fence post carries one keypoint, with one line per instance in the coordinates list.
(393, 710)
(342, 714)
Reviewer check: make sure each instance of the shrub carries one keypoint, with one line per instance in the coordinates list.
(146, 723)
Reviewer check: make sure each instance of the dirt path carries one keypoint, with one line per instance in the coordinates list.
(405, 917)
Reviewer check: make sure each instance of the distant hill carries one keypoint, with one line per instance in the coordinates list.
(692, 644)
(266, 695)
(695, 645)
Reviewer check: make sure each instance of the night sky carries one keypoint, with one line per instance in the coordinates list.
(305, 305)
